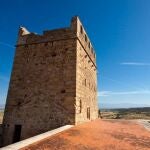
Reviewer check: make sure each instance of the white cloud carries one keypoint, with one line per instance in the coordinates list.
(135, 64)
(104, 93)
(6, 44)
(111, 93)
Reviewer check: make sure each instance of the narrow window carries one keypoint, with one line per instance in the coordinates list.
(89, 45)
(85, 38)
(81, 29)
(88, 113)
(80, 106)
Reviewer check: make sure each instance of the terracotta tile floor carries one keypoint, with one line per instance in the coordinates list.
(98, 135)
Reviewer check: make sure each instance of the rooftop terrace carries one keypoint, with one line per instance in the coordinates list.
(98, 135)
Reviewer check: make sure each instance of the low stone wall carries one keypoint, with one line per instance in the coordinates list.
(24, 143)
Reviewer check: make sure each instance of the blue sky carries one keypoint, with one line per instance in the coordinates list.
(118, 29)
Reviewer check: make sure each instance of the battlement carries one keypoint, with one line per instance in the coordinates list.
(47, 36)
(75, 31)
(83, 38)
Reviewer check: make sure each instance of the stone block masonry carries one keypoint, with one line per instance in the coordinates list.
(53, 82)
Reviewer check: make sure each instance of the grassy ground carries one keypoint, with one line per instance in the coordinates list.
(132, 113)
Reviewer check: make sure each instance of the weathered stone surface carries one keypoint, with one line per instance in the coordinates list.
(53, 82)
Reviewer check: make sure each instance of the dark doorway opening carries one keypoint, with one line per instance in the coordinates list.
(88, 113)
(17, 133)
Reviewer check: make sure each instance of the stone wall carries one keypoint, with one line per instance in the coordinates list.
(53, 82)
(86, 78)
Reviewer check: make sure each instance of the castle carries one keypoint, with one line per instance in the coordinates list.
(53, 82)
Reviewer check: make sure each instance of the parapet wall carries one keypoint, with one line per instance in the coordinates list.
(76, 30)
(83, 38)
(48, 36)
(35, 139)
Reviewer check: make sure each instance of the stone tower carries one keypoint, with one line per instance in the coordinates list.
(53, 82)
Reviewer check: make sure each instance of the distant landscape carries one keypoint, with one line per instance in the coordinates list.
(121, 105)
(1, 115)
(114, 113)
(126, 113)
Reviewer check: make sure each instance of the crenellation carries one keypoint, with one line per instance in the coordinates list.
(83, 38)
